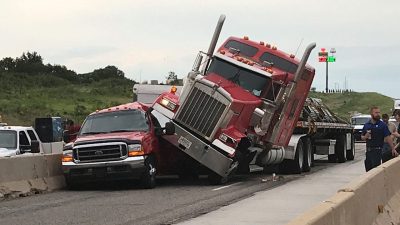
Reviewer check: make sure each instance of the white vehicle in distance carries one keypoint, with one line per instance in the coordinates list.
(17, 140)
(358, 122)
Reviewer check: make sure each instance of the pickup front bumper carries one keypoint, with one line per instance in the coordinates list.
(129, 168)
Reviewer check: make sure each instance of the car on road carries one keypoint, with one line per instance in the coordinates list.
(118, 143)
(17, 140)
(358, 122)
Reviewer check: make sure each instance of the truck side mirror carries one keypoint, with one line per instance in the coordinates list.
(158, 131)
(35, 146)
(66, 136)
(169, 128)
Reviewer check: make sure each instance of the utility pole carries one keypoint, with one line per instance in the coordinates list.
(326, 88)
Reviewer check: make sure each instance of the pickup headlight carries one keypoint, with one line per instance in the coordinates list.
(67, 156)
(135, 150)
(168, 104)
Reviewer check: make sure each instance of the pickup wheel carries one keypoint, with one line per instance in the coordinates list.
(70, 184)
(308, 154)
(215, 179)
(148, 179)
(352, 152)
(340, 148)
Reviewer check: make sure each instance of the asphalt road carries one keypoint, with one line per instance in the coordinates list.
(172, 201)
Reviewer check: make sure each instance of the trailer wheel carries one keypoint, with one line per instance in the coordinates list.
(308, 152)
(340, 148)
(352, 152)
(148, 178)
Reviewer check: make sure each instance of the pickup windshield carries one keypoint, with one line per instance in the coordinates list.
(8, 139)
(247, 79)
(120, 121)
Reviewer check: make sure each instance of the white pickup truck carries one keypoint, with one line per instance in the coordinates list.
(16, 140)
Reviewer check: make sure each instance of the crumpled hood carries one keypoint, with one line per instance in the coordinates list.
(7, 153)
(138, 135)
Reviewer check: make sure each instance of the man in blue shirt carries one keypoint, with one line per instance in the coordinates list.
(375, 133)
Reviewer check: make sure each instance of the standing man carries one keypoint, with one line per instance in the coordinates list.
(375, 133)
(387, 152)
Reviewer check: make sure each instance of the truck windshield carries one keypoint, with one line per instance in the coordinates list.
(359, 121)
(247, 79)
(120, 121)
(8, 139)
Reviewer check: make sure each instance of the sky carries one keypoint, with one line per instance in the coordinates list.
(147, 39)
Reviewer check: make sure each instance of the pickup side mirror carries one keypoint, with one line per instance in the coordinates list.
(169, 128)
(35, 146)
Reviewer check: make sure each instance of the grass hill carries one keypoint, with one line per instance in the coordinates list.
(345, 104)
(30, 89)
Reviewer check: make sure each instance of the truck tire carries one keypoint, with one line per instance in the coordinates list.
(295, 166)
(352, 152)
(340, 148)
(332, 158)
(148, 178)
(308, 152)
(215, 179)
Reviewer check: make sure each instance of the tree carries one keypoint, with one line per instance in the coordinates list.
(172, 78)
(7, 64)
(30, 63)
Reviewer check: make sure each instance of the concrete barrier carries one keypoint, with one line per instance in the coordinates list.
(374, 198)
(26, 175)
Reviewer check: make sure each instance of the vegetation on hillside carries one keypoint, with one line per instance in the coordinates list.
(30, 89)
(348, 103)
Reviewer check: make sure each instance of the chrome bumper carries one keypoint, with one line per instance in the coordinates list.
(202, 152)
(129, 168)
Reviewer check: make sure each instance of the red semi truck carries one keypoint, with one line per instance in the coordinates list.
(247, 104)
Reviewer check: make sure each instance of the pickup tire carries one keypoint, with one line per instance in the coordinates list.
(70, 184)
(340, 148)
(352, 152)
(148, 178)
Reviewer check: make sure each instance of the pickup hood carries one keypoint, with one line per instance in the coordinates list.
(358, 127)
(131, 136)
(7, 153)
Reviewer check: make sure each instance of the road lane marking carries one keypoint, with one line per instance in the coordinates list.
(217, 189)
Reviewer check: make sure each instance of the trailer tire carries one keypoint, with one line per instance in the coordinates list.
(308, 152)
(340, 148)
(352, 152)
(148, 179)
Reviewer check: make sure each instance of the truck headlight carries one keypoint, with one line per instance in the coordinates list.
(67, 156)
(168, 104)
(135, 150)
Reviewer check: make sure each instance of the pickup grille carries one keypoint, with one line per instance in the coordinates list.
(202, 110)
(100, 152)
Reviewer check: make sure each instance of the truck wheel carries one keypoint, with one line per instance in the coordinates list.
(148, 179)
(340, 148)
(295, 166)
(215, 179)
(307, 148)
(352, 152)
(332, 158)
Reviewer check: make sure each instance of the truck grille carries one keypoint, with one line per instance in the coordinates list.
(202, 110)
(100, 152)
